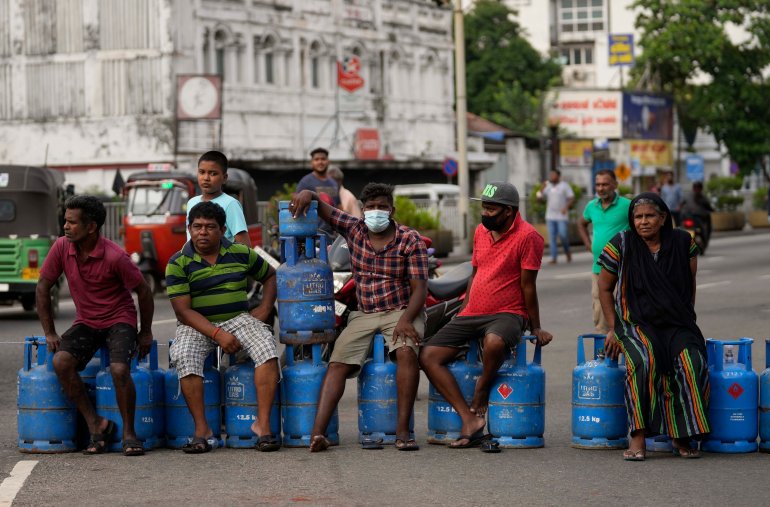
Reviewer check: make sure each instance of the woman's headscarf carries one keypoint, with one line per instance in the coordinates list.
(660, 293)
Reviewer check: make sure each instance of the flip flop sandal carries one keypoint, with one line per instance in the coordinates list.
(490, 446)
(686, 453)
(133, 447)
(630, 455)
(268, 443)
(473, 440)
(100, 441)
(370, 444)
(198, 445)
(406, 445)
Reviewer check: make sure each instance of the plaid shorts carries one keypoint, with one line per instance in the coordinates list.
(190, 347)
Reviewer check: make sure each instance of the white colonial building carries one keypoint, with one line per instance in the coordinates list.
(91, 86)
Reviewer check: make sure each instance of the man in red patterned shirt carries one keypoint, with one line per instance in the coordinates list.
(390, 266)
(501, 303)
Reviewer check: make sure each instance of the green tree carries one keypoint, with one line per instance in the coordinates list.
(718, 83)
(505, 75)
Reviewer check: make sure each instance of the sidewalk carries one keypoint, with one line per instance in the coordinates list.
(578, 250)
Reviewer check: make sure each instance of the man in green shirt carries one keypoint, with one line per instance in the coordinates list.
(206, 282)
(608, 212)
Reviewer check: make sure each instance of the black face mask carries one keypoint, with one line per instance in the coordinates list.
(493, 223)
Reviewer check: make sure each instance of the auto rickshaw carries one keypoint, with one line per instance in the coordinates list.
(154, 225)
(31, 217)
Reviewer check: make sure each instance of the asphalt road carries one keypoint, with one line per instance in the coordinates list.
(733, 301)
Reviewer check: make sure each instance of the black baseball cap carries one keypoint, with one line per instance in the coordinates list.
(499, 192)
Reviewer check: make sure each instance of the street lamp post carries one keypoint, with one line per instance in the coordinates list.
(461, 109)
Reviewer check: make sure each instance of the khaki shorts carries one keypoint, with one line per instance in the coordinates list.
(600, 323)
(354, 343)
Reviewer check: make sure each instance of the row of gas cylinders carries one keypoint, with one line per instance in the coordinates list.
(739, 402)
(48, 421)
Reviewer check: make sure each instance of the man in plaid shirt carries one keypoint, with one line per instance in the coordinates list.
(390, 267)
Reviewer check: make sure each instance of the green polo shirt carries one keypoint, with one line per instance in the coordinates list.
(606, 223)
(217, 291)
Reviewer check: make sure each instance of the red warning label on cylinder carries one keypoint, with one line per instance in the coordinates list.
(504, 390)
(735, 390)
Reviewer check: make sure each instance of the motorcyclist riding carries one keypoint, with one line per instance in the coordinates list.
(699, 206)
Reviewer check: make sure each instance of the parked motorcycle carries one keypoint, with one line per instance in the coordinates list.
(694, 225)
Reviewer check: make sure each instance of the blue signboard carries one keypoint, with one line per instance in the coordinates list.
(694, 165)
(621, 49)
(648, 116)
(449, 167)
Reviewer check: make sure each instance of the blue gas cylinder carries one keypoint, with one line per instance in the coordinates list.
(88, 376)
(305, 293)
(764, 403)
(377, 397)
(180, 427)
(599, 419)
(46, 419)
(444, 424)
(150, 362)
(241, 406)
(303, 225)
(300, 389)
(517, 401)
(107, 404)
(658, 443)
(734, 397)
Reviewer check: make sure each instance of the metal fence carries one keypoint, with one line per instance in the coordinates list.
(116, 211)
(448, 215)
(114, 221)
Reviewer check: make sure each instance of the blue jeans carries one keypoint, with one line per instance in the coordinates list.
(557, 228)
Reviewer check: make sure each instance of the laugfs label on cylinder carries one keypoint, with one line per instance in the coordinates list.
(314, 288)
(589, 391)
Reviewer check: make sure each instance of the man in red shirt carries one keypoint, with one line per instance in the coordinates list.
(101, 277)
(501, 303)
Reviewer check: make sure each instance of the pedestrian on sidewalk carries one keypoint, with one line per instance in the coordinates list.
(608, 214)
(559, 198)
(672, 195)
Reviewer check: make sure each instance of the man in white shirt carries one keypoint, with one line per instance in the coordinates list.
(559, 198)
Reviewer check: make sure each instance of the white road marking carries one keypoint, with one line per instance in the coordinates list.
(13, 483)
(705, 271)
(568, 276)
(712, 284)
(717, 258)
(764, 277)
(164, 321)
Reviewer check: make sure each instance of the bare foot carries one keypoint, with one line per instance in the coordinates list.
(318, 443)
(480, 403)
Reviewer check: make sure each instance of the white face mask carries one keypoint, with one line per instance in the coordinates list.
(377, 220)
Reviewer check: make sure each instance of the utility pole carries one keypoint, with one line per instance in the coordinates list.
(461, 109)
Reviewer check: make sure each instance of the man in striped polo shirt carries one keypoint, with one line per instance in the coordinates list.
(206, 282)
